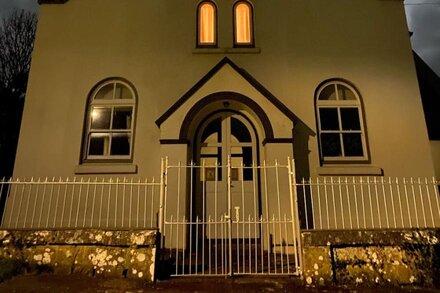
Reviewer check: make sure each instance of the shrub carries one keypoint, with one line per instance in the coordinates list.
(10, 268)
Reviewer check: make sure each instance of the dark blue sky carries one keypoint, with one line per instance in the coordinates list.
(423, 19)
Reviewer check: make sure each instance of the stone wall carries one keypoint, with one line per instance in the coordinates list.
(393, 257)
(130, 254)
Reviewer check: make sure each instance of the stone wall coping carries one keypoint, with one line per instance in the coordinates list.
(371, 237)
(108, 237)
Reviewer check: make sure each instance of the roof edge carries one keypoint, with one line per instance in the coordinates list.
(52, 1)
(192, 90)
(243, 73)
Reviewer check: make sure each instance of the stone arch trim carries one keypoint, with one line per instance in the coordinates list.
(225, 97)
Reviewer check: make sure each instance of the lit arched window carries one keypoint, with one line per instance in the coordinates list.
(109, 122)
(243, 24)
(340, 123)
(207, 24)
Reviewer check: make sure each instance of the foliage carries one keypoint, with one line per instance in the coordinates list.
(10, 268)
(17, 33)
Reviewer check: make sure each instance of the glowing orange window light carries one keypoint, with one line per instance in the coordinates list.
(207, 24)
(243, 22)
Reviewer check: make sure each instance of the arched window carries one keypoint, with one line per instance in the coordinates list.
(109, 122)
(243, 24)
(207, 24)
(340, 123)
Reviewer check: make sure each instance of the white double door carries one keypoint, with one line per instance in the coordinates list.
(227, 180)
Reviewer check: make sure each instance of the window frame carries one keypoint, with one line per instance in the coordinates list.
(198, 20)
(341, 104)
(112, 104)
(251, 44)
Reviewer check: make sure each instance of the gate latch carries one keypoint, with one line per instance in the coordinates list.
(237, 214)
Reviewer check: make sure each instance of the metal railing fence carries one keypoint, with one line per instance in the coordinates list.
(368, 203)
(236, 220)
(324, 203)
(79, 203)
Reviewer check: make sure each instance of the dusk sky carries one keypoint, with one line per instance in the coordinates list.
(423, 19)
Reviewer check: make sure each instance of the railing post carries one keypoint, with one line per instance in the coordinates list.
(228, 216)
(295, 212)
(3, 208)
(162, 199)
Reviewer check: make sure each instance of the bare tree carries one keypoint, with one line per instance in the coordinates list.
(17, 33)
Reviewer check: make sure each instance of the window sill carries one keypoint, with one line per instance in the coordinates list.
(226, 51)
(350, 170)
(106, 169)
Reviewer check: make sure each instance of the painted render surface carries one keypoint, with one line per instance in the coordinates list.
(435, 149)
(299, 44)
(130, 254)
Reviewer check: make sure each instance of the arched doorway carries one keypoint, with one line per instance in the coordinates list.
(226, 148)
(236, 206)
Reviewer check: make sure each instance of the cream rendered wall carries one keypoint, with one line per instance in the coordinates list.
(151, 44)
(435, 148)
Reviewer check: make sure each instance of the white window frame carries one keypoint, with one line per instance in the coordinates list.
(340, 104)
(111, 104)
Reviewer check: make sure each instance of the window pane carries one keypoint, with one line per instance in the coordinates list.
(213, 132)
(122, 92)
(101, 118)
(207, 24)
(247, 162)
(243, 24)
(331, 145)
(345, 93)
(350, 119)
(122, 118)
(106, 92)
(328, 93)
(353, 145)
(98, 144)
(120, 144)
(240, 131)
(329, 118)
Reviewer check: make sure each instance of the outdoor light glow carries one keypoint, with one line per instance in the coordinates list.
(95, 114)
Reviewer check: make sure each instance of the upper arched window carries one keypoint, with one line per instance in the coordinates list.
(340, 122)
(243, 24)
(207, 24)
(109, 122)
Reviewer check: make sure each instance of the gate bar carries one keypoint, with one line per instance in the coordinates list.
(295, 215)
